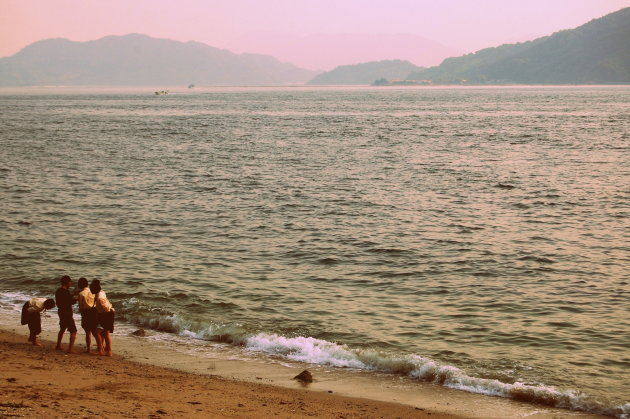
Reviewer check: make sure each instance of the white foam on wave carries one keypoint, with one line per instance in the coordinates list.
(321, 352)
(13, 300)
(135, 312)
(305, 349)
(227, 333)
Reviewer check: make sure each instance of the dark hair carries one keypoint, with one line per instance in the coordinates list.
(49, 303)
(65, 280)
(82, 283)
(95, 286)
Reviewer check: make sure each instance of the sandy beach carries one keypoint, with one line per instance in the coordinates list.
(421, 246)
(42, 382)
(39, 381)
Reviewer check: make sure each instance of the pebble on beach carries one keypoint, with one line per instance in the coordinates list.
(304, 376)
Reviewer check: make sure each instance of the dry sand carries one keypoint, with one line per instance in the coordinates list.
(42, 382)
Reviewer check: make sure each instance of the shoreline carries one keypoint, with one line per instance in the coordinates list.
(143, 371)
(38, 381)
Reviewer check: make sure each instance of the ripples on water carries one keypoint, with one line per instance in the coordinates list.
(485, 229)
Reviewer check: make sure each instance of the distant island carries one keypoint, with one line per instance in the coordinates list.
(365, 73)
(594, 53)
(385, 82)
(597, 52)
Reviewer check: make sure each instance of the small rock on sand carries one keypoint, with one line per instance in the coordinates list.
(304, 376)
(140, 332)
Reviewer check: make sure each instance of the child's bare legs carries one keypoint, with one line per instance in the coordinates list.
(73, 337)
(88, 341)
(99, 340)
(32, 337)
(59, 337)
(108, 343)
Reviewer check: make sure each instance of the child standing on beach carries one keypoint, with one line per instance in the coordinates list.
(64, 310)
(88, 312)
(105, 317)
(31, 315)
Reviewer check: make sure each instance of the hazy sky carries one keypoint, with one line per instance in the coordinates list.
(466, 25)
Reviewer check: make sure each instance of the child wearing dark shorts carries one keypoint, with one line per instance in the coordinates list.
(66, 321)
(64, 310)
(31, 315)
(89, 320)
(105, 318)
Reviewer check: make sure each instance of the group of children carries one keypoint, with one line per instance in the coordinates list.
(97, 315)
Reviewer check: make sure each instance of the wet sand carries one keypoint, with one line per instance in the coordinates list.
(39, 381)
(42, 382)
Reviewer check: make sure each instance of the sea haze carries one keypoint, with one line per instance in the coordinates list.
(473, 237)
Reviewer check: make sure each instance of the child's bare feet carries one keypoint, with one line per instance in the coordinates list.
(58, 348)
(36, 343)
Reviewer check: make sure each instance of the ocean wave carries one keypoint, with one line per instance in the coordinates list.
(316, 351)
(322, 352)
(304, 349)
(13, 300)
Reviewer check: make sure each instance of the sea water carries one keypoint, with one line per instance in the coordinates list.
(477, 238)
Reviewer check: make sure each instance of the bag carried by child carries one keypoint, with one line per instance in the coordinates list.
(24, 317)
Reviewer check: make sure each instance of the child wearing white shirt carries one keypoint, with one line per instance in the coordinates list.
(31, 315)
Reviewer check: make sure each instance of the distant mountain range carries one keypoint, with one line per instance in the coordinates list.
(596, 52)
(139, 60)
(365, 73)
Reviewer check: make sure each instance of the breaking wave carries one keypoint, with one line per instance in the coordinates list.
(316, 351)
(322, 352)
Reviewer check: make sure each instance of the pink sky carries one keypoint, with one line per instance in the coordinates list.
(464, 25)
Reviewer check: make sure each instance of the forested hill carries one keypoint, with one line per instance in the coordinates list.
(139, 60)
(365, 73)
(596, 52)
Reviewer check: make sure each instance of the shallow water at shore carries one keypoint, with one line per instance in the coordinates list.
(227, 361)
(470, 237)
